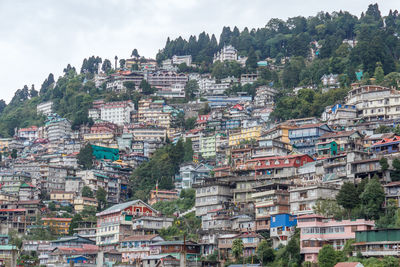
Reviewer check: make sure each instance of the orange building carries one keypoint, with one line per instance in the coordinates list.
(60, 226)
(162, 195)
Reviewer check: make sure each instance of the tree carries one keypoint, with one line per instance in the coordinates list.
(348, 197)
(106, 67)
(379, 74)
(327, 256)
(190, 123)
(237, 248)
(85, 157)
(2, 105)
(372, 199)
(251, 62)
(101, 196)
(146, 87)
(14, 153)
(205, 110)
(191, 88)
(384, 164)
(135, 53)
(188, 148)
(122, 63)
(265, 253)
(87, 192)
(74, 223)
(33, 92)
(395, 173)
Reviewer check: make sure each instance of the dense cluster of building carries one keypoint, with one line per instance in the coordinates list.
(253, 177)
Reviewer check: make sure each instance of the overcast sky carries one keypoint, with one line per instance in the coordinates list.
(42, 36)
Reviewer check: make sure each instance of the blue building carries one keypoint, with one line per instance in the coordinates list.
(305, 137)
(282, 228)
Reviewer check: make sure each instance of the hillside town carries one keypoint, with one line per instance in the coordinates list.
(156, 162)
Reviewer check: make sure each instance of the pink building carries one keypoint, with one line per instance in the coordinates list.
(317, 231)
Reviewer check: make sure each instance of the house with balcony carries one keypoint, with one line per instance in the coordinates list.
(327, 149)
(305, 137)
(335, 168)
(115, 223)
(392, 193)
(386, 145)
(282, 229)
(304, 198)
(136, 247)
(317, 231)
(277, 167)
(377, 242)
(250, 243)
(345, 140)
(191, 174)
(175, 248)
(162, 195)
(270, 199)
(60, 226)
(211, 195)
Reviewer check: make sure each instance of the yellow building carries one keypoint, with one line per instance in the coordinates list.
(4, 143)
(62, 196)
(59, 226)
(252, 133)
(82, 202)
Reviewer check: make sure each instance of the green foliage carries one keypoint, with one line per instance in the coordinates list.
(146, 87)
(101, 196)
(306, 103)
(191, 89)
(205, 110)
(85, 157)
(161, 167)
(86, 191)
(328, 208)
(183, 226)
(190, 123)
(395, 173)
(348, 197)
(265, 253)
(74, 223)
(327, 256)
(184, 203)
(384, 164)
(188, 149)
(372, 199)
(290, 254)
(15, 239)
(237, 248)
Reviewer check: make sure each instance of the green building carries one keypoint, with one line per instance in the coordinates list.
(378, 242)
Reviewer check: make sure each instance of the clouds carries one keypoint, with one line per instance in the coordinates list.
(43, 36)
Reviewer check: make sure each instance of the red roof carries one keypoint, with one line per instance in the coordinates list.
(11, 210)
(238, 106)
(384, 141)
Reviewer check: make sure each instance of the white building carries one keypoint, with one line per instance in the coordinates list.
(45, 108)
(29, 133)
(58, 129)
(228, 53)
(175, 91)
(210, 87)
(187, 59)
(94, 113)
(118, 112)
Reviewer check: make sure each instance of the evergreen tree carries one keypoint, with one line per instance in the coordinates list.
(86, 191)
(146, 88)
(348, 197)
(85, 157)
(372, 199)
(101, 196)
(378, 74)
(188, 148)
(237, 248)
(265, 253)
(251, 62)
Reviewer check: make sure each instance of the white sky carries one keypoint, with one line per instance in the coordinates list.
(42, 36)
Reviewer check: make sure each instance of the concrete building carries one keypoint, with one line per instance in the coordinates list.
(117, 112)
(46, 108)
(186, 59)
(303, 199)
(317, 231)
(57, 129)
(377, 242)
(305, 137)
(282, 229)
(228, 53)
(211, 195)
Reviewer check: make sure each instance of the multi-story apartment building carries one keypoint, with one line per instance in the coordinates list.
(190, 174)
(115, 223)
(46, 108)
(270, 199)
(264, 96)
(30, 133)
(303, 199)
(375, 102)
(228, 53)
(208, 146)
(165, 79)
(162, 195)
(60, 226)
(152, 113)
(187, 59)
(245, 134)
(58, 129)
(317, 231)
(149, 133)
(175, 91)
(211, 195)
(377, 242)
(305, 137)
(282, 229)
(116, 81)
(117, 112)
(210, 87)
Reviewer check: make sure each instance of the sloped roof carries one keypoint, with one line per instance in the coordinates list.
(122, 206)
